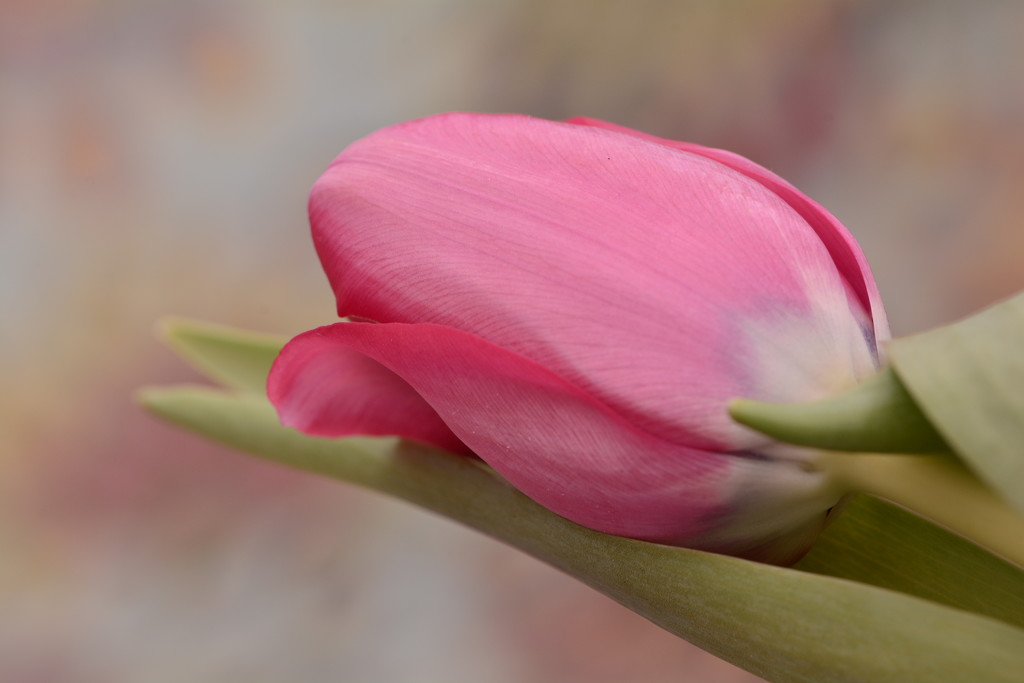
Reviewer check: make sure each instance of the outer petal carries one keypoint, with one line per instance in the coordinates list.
(659, 281)
(567, 450)
(324, 389)
(840, 244)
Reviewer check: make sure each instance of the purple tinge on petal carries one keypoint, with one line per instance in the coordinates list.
(658, 281)
(559, 445)
(322, 388)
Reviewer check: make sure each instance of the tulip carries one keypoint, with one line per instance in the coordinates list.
(575, 303)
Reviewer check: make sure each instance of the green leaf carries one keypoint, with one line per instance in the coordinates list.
(784, 624)
(235, 358)
(876, 416)
(878, 543)
(938, 487)
(968, 378)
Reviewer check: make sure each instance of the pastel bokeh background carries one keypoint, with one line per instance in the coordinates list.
(155, 158)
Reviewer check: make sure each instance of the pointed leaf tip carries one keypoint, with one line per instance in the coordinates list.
(877, 415)
(237, 359)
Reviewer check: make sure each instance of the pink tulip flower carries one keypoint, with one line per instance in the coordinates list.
(576, 303)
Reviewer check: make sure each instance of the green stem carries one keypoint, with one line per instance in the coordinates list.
(938, 488)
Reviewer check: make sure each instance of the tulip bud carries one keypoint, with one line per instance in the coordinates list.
(576, 303)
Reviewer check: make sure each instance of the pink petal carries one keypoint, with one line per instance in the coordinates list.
(325, 389)
(659, 281)
(561, 446)
(840, 243)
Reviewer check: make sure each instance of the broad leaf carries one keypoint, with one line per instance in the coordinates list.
(968, 378)
(783, 624)
(872, 542)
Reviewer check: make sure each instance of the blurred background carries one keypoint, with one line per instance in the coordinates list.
(155, 157)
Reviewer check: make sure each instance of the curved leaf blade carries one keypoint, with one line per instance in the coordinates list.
(877, 416)
(783, 624)
(968, 378)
